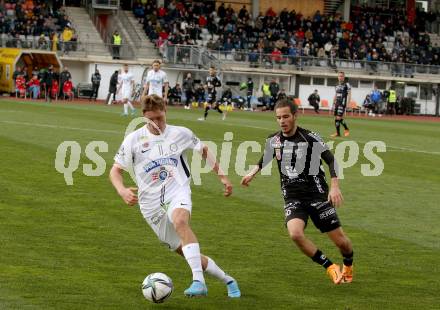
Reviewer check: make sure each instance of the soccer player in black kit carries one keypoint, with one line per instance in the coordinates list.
(298, 153)
(342, 97)
(212, 81)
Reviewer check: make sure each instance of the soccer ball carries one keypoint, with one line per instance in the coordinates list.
(157, 287)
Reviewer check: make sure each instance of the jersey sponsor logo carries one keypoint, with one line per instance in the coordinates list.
(160, 162)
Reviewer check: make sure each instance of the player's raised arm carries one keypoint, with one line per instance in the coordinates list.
(128, 194)
(212, 161)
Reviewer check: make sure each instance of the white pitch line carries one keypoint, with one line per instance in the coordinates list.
(359, 141)
(256, 127)
(62, 127)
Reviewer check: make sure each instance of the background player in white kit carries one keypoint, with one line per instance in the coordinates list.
(155, 81)
(125, 89)
(156, 153)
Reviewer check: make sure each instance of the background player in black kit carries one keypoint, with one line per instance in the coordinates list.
(212, 81)
(342, 97)
(306, 194)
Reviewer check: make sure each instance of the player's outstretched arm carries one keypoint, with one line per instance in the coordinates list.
(128, 194)
(212, 161)
(250, 176)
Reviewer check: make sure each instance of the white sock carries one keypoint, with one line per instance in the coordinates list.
(130, 105)
(125, 108)
(215, 271)
(191, 252)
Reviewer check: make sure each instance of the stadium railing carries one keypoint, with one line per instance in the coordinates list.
(189, 54)
(71, 48)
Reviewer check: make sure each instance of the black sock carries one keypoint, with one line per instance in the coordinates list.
(206, 112)
(348, 259)
(321, 259)
(338, 127)
(344, 124)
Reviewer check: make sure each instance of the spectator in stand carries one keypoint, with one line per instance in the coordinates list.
(356, 39)
(276, 57)
(253, 58)
(42, 43)
(116, 41)
(66, 39)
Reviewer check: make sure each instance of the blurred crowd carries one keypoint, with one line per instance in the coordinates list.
(36, 24)
(372, 34)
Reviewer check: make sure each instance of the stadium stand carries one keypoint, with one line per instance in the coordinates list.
(372, 35)
(33, 24)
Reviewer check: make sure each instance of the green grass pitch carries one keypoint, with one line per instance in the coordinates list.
(80, 247)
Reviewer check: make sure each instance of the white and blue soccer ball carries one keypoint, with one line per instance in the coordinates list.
(157, 287)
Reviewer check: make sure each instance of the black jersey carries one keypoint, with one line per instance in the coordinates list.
(299, 164)
(342, 91)
(212, 82)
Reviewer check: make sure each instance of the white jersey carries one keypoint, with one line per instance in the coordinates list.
(156, 81)
(126, 80)
(159, 164)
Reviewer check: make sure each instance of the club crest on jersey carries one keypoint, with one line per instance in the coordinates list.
(277, 146)
(162, 174)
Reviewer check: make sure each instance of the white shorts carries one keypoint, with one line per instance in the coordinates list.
(160, 220)
(125, 93)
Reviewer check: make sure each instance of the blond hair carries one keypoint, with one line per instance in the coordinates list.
(152, 103)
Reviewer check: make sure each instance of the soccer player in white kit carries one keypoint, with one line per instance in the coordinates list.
(125, 89)
(156, 153)
(155, 81)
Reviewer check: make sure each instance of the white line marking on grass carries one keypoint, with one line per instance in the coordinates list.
(406, 149)
(62, 127)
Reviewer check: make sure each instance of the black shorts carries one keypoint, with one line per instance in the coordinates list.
(322, 213)
(339, 110)
(211, 98)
